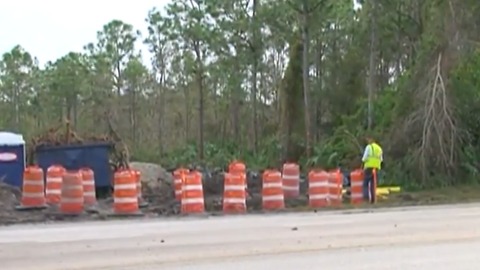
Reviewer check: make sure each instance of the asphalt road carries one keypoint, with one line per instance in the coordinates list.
(442, 237)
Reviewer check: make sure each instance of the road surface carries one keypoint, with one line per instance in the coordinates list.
(442, 237)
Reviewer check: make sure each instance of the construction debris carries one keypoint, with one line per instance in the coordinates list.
(63, 135)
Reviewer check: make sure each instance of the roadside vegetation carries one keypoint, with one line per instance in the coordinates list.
(267, 81)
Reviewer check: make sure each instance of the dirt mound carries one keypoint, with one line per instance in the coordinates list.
(157, 188)
(152, 174)
(9, 197)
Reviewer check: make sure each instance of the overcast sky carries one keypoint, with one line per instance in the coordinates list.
(49, 29)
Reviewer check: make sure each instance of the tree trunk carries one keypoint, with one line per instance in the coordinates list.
(16, 109)
(75, 112)
(133, 118)
(236, 127)
(235, 105)
(255, 50)
(187, 112)
(317, 99)
(372, 65)
(161, 102)
(291, 101)
(199, 75)
(305, 76)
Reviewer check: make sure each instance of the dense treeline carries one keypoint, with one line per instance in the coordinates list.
(268, 81)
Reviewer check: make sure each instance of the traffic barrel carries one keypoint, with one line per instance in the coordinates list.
(33, 189)
(125, 200)
(192, 194)
(272, 190)
(53, 190)
(72, 198)
(318, 191)
(291, 180)
(234, 194)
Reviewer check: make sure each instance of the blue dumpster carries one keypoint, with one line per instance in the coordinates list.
(74, 157)
(12, 158)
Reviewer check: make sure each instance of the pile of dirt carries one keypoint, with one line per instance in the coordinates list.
(157, 188)
(9, 197)
(153, 175)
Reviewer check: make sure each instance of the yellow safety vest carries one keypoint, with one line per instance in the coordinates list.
(374, 160)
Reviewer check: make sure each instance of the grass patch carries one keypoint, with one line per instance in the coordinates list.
(458, 194)
(450, 195)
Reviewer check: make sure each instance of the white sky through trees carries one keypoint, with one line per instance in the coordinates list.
(49, 29)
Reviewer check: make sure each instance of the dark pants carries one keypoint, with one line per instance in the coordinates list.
(369, 184)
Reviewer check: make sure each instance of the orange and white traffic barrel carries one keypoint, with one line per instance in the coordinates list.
(238, 167)
(89, 194)
(53, 188)
(335, 187)
(356, 186)
(178, 178)
(291, 180)
(272, 190)
(318, 191)
(192, 201)
(125, 200)
(72, 200)
(234, 195)
(138, 179)
(33, 189)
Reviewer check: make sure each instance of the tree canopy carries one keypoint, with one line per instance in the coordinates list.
(272, 81)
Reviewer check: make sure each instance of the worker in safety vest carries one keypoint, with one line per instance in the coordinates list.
(372, 162)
